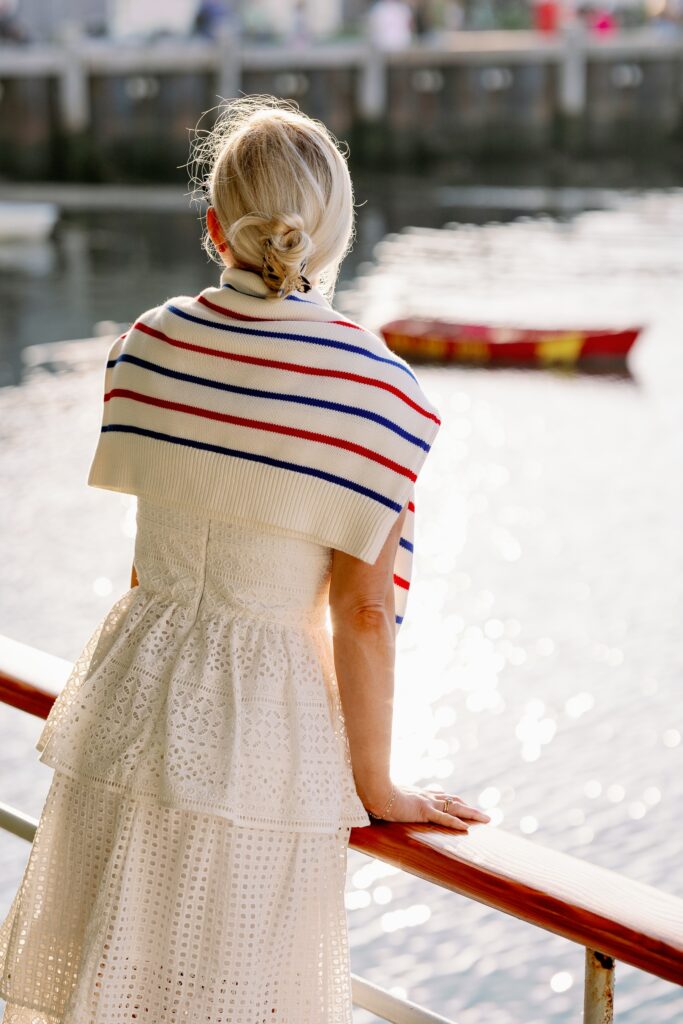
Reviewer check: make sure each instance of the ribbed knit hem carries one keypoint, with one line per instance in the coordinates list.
(228, 488)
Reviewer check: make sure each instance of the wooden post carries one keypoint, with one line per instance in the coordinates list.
(372, 98)
(229, 64)
(573, 71)
(74, 101)
(572, 86)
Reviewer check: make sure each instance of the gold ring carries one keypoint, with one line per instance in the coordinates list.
(445, 804)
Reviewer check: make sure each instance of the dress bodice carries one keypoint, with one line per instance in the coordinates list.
(216, 567)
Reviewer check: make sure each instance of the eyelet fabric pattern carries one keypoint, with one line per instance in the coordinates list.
(190, 859)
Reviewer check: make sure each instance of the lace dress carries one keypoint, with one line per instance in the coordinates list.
(190, 860)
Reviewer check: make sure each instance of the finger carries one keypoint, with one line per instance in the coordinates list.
(463, 809)
(441, 795)
(467, 811)
(444, 818)
(473, 814)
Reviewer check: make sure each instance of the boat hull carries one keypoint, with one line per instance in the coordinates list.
(418, 339)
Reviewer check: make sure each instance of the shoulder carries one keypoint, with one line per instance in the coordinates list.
(161, 316)
(153, 322)
(385, 363)
(169, 307)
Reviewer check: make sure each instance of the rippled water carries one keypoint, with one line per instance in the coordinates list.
(540, 664)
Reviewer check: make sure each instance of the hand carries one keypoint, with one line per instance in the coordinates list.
(413, 803)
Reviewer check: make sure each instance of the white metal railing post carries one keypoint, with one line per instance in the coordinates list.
(17, 823)
(598, 991)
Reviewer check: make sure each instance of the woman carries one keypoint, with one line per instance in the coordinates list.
(215, 743)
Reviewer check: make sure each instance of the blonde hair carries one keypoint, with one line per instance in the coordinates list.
(281, 189)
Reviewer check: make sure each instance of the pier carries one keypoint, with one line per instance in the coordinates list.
(91, 109)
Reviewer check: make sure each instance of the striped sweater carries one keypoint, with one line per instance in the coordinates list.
(275, 411)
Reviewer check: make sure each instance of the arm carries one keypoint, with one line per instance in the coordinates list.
(364, 630)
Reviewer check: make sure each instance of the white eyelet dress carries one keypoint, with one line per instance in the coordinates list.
(190, 860)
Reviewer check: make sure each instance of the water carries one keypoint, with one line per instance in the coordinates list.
(543, 624)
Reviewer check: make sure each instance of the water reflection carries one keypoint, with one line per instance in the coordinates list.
(542, 639)
(549, 657)
(60, 288)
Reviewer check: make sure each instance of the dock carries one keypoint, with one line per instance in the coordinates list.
(92, 109)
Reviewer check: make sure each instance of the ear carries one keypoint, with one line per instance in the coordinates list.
(215, 230)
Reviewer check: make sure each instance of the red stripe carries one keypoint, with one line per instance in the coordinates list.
(280, 365)
(411, 506)
(400, 582)
(233, 314)
(241, 421)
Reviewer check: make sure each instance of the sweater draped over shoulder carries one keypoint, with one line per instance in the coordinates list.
(272, 411)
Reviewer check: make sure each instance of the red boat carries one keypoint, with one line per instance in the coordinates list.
(419, 338)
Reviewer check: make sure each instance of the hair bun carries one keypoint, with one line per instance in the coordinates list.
(286, 247)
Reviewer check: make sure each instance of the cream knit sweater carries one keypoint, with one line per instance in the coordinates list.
(272, 411)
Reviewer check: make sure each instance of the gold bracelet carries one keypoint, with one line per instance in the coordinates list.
(387, 808)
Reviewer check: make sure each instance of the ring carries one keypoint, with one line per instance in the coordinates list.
(446, 803)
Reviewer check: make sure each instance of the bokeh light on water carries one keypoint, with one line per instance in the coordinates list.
(540, 662)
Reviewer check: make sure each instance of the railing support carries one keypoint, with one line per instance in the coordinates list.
(18, 823)
(391, 1008)
(598, 991)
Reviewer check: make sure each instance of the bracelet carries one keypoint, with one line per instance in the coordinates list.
(387, 808)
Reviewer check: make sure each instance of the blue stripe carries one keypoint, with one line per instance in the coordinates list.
(352, 410)
(258, 333)
(265, 459)
(399, 619)
(405, 544)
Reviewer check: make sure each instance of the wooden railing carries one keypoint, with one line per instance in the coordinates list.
(613, 917)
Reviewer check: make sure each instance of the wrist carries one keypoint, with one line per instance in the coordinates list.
(376, 798)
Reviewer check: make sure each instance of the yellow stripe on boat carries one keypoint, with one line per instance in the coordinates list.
(473, 350)
(559, 348)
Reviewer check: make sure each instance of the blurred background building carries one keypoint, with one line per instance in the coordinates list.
(280, 19)
(105, 90)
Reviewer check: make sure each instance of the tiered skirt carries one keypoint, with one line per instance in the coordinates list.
(130, 911)
(190, 859)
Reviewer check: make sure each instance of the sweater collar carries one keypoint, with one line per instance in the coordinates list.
(251, 284)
